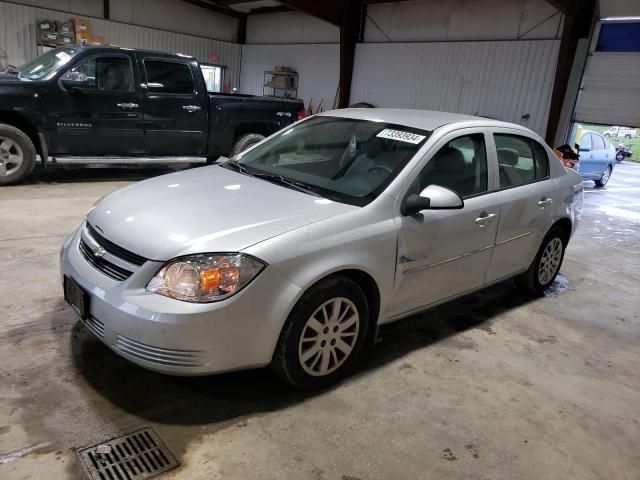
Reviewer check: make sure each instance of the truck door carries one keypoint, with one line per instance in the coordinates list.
(100, 115)
(176, 107)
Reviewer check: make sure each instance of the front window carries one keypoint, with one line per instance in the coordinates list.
(48, 63)
(346, 160)
(108, 73)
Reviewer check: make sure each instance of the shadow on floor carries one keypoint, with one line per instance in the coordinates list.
(205, 400)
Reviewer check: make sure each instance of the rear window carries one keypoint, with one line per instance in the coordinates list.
(521, 160)
(168, 77)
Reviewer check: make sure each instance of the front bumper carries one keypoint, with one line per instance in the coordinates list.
(176, 337)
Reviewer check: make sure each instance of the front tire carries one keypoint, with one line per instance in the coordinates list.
(545, 267)
(323, 336)
(604, 179)
(245, 141)
(17, 155)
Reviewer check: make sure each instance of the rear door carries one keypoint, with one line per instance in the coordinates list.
(176, 107)
(527, 194)
(103, 117)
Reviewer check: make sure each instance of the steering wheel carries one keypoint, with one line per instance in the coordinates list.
(380, 167)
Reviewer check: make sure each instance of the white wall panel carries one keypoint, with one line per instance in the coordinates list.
(18, 38)
(610, 90)
(435, 20)
(619, 8)
(317, 67)
(172, 15)
(290, 27)
(505, 80)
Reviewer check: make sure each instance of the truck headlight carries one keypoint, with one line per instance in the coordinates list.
(205, 277)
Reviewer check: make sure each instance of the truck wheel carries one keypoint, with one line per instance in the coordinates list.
(245, 141)
(17, 155)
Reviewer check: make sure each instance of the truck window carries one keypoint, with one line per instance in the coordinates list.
(108, 73)
(168, 77)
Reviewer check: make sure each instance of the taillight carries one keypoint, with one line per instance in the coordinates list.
(301, 114)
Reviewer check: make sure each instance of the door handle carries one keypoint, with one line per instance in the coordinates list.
(545, 202)
(127, 105)
(191, 108)
(485, 219)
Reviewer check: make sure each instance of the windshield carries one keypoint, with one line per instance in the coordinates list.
(346, 160)
(42, 66)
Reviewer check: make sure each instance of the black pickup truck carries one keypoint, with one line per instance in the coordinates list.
(107, 105)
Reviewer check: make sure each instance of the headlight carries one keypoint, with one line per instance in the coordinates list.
(206, 277)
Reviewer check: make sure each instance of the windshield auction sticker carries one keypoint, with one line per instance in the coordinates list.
(401, 136)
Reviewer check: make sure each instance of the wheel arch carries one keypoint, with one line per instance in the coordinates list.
(369, 287)
(264, 129)
(565, 225)
(18, 121)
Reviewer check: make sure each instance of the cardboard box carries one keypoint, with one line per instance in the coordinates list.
(46, 26)
(85, 38)
(65, 28)
(47, 37)
(66, 40)
(81, 26)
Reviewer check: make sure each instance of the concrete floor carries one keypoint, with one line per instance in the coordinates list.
(492, 386)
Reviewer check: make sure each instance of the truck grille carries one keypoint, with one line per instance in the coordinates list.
(109, 269)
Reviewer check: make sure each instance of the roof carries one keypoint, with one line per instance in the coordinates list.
(423, 119)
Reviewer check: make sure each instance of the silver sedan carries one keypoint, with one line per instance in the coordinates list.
(294, 252)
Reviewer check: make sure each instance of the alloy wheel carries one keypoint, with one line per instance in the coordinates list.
(11, 156)
(329, 336)
(550, 261)
(605, 176)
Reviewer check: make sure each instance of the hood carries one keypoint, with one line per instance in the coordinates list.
(209, 209)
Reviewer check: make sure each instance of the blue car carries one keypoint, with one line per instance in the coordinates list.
(597, 158)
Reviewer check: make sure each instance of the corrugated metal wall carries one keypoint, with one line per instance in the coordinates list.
(317, 66)
(506, 80)
(18, 38)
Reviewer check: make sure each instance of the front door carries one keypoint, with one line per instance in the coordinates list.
(443, 253)
(101, 117)
(176, 108)
(594, 155)
(527, 196)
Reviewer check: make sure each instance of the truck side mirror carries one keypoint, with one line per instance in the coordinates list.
(74, 79)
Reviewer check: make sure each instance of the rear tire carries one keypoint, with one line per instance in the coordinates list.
(17, 155)
(606, 175)
(245, 141)
(545, 267)
(323, 336)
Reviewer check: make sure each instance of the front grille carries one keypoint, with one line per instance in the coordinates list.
(114, 249)
(161, 356)
(138, 455)
(95, 326)
(104, 266)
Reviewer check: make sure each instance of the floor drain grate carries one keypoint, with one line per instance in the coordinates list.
(135, 456)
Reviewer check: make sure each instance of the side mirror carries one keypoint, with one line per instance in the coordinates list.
(434, 197)
(73, 79)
